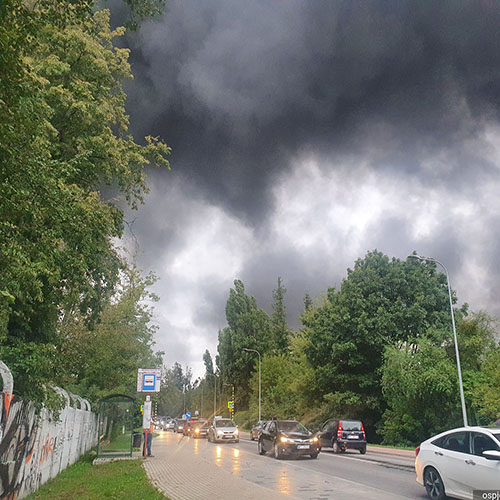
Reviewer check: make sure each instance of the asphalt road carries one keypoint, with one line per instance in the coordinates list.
(348, 476)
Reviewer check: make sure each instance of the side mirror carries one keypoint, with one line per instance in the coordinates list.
(491, 454)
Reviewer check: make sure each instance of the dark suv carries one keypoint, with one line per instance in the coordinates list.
(342, 434)
(287, 437)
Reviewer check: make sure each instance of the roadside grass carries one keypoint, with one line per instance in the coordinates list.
(121, 480)
(120, 442)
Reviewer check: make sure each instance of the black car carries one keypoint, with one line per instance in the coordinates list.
(287, 437)
(342, 435)
(257, 429)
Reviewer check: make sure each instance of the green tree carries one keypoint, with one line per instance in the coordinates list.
(209, 366)
(63, 135)
(247, 327)
(104, 360)
(381, 302)
(307, 301)
(420, 386)
(280, 333)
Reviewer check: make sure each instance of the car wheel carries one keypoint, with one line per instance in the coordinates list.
(237, 441)
(260, 447)
(362, 451)
(277, 452)
(336, 447)
(314, 455)
(434, 484)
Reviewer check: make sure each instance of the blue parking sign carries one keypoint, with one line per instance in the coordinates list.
(188, 414)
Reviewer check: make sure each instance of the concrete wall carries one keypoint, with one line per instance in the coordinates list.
(35, 447)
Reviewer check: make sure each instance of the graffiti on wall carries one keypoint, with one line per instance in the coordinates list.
(36, 446)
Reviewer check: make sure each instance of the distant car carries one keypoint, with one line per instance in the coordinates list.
(188, 426)
(199, 429)
(256, 430)
(223, 429)
(287, 437)
(170, 425)
(342, 435)
(459, 461)
(179, 424)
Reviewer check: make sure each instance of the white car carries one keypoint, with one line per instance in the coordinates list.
(170, 425)
(223, 429)
(457, 462)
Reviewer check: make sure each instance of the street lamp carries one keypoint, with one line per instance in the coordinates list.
(215, 392)
(462, 399)
(258, 353)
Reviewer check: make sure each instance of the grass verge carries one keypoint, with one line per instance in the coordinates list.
(83, 481)
(389, 447)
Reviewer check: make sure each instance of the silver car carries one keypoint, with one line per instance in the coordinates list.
(223, 429)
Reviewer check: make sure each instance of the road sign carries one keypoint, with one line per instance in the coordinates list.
(148, 379)
(188, 414)
(142, 409)
(230, 404)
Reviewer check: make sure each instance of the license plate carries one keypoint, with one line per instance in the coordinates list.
(353, 436)
(302, 446)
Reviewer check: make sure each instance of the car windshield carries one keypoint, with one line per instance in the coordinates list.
(291, 426)
(351, 425)
(181, 422)
(224, 423)
(497, 435)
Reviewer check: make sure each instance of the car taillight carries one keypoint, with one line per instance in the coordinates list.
(339, 431)
(417, 451)
(363, 430)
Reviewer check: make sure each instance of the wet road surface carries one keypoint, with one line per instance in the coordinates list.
(345, 476)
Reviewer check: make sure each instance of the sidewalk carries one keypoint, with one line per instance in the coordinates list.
(180, 475)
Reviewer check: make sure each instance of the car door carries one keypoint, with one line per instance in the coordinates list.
(484, 474)
(451, 458)
(327, 433)
(268, 434)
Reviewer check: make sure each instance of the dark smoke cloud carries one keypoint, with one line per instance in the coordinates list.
(246, 92)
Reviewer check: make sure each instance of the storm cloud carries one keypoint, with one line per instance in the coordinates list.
(305, 134)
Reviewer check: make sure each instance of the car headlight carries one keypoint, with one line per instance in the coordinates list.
(284, 439)
(236, 431)
(314, 439)
(219, 433)
(197, 431)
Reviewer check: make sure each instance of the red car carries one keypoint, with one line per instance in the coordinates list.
(199, 429)
(188, 425)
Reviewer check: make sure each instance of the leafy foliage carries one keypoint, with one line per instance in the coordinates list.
(381, 302)
(248, 327)
(105, 359)
(280, 333)
(63, 135)
(420, 386)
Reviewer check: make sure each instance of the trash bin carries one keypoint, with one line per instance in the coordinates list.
(137, 440)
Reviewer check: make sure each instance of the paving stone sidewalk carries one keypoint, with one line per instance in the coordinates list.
(180, 475)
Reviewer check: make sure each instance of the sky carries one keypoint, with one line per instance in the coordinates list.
(305, 134)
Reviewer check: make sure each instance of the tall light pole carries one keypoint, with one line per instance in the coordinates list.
(215, 392)
(184, 394)
(462, 398)
(258, 353)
